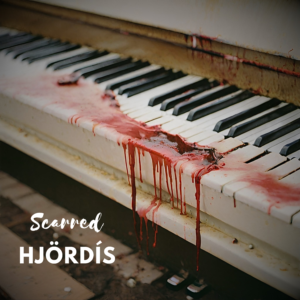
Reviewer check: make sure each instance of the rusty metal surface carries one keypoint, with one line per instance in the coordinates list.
(265, 74)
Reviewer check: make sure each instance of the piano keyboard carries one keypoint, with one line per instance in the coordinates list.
(252, 129)
(201, 110)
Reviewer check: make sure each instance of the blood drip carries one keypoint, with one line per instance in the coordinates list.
(84, 102)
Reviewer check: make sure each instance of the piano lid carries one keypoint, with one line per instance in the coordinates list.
(269, 26)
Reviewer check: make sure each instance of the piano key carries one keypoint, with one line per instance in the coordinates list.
(212, 139)
(150, 116)
(295, 155)
(289, 139)
(296, 219)
(292, 178)
(118, 71)
(280, 105)
(208, 122)
(290, 148)
(85, 64)
(137, 113)
(277, 133)
(103, 66)
(203, 98)
(128, 78)
(246, 153)
(10, 37)
(285, 169)
(281, 140)
(263, 164)
(247, 126)
(142, 99)
(259, 199)
(170, 103)
(219, 104)
(155, 83)
(27, 54)
(18, 41)
(45, 53)
(228, 122)
(36, 45)
(74, 60)
(268, 161)
(251, 135)
(217, 180)
(163, 120)
(145, 84)
(227, 145)
(210, 119)
(203, 135)
(279, 172)
(160, 98)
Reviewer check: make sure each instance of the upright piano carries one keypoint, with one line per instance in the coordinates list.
(186, 112)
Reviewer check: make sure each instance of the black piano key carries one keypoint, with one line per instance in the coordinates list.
(172, 102)
(155, 83)
(116, 85)
(36, 45)
(54, 51)
(160, 98)
(76, 59)
(18, 41)
(103, 66)
(290, 148)
(242, 128)
(118, 71)
(277, 133)
(6, 37)
(248, 113)
(225, 102)
(142, 82)
(34, 52)
(186, 106)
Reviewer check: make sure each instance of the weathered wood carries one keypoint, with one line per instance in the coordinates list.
(263, 73)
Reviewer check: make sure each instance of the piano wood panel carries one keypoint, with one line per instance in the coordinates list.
(220, 61)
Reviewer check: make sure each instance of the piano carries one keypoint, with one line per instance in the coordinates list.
(188, 116)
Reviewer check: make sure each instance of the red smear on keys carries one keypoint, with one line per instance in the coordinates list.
(170, 154)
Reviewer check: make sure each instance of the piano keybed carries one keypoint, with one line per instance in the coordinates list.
(261, 132)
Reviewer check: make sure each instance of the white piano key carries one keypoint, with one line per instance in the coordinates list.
(142, 71)
(251, 135)
(286, 168)
(226, 131)
(140, 112)
(259, 199)
(246, 153)
(227, 145)
(296, 220)
(268, 161)
(293, 178)
(149, 117)
(282, 141)
(175, 124)
(217, 180)
(201, 136)
(161, 121)
(212, 139)
(282, 170)
(143, 98)
(277, 148)
(295, 155)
